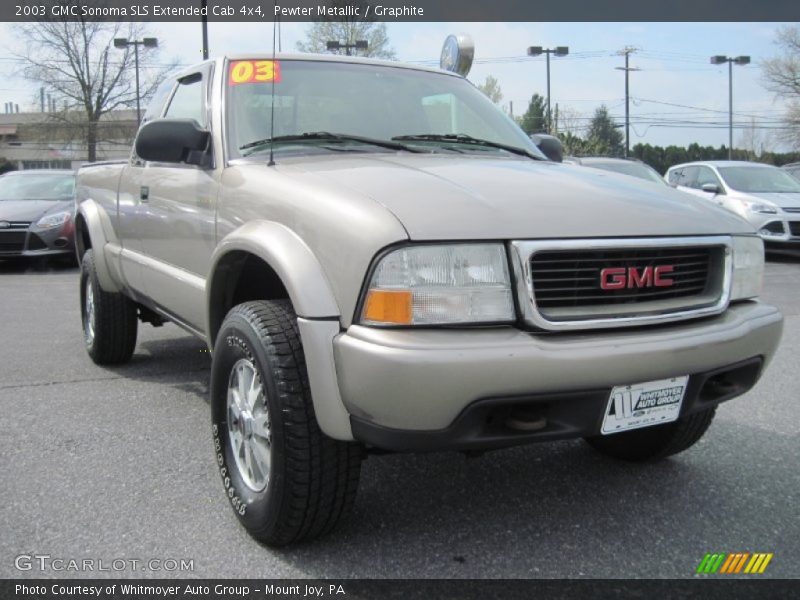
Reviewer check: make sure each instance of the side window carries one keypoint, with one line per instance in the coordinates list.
(706, 175)
(156, 105)
(187, 102)
(675, 176)
(689, 177)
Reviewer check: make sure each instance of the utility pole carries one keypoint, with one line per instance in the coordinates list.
(739, 60)
(557, 51)
(627, 51)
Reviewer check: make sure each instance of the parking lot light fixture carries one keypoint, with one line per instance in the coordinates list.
(122, 44)
(720, 59)
(557, 51)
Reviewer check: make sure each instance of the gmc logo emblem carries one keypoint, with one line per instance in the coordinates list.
(620, 278)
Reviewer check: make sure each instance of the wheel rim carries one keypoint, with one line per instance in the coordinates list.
(249, 432)
(88, 311)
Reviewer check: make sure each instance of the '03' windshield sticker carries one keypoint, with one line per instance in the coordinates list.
(254, 71)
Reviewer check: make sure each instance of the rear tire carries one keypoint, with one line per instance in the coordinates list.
(285, 479)
(654, 443)
(108, 319)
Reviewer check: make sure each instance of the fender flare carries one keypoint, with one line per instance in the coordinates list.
(312, 299)
(291, 259)
(92, 216)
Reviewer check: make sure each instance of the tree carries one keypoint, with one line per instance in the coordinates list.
(534, 120)
(348, 31)
(78, 62)
(781, 75)
(603, 136)
(491, 88)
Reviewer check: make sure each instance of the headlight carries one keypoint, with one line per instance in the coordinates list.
(440, 284)
(748, 267)
(761, 207)
(54, 220)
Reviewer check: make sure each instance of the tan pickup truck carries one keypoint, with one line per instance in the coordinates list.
(380, 259)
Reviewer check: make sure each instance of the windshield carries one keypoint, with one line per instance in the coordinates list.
(44, 186)
(759, 179)
(630, 168)
(369, 101)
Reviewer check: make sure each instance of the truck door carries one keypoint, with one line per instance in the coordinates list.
(178, 230)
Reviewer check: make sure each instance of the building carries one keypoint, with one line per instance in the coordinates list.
(57, 140)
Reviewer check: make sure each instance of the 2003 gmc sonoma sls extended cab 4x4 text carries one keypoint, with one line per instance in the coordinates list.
(380, 259)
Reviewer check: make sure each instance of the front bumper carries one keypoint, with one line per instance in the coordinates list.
(403, 384)
(37, 242)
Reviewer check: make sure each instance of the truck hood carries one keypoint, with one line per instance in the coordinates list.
(442, 197)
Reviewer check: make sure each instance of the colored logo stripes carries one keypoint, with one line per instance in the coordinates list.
(734, 562)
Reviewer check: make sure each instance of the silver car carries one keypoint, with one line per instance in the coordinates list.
(768, 197)
(36, 213)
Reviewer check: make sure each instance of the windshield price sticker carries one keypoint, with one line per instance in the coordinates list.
(254, 71)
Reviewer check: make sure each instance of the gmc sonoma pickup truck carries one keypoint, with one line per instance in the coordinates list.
(379, 259)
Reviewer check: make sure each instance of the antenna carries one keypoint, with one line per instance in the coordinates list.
(271, 162)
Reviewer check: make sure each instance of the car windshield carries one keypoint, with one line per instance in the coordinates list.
(633, 169)
(372, 102)
(759, 179)
(39, 186)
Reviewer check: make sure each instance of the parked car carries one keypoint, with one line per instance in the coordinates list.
(768, 197)
(36, 213)
(634, 168)
(793, 169)
(381, 260)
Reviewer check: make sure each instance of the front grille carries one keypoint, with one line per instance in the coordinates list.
(610, 282)
(12, 241)
(792, 209)
(794, 228)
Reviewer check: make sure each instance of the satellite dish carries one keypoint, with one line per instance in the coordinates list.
(457, 54)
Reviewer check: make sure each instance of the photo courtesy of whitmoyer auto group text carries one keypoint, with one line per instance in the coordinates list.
(399, 299)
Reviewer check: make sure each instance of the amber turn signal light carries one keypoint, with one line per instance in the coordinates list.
(389, 306)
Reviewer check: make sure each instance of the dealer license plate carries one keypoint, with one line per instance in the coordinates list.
(644, 404)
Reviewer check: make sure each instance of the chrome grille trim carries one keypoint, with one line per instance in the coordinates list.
(523, 250)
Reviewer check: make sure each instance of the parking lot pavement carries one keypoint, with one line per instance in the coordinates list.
(116, 463)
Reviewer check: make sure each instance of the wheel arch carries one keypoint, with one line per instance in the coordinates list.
(90, 234)
(263, 260)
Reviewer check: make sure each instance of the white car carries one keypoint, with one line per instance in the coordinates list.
(768, 197)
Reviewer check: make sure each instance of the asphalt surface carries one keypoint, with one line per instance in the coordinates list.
(117, 463)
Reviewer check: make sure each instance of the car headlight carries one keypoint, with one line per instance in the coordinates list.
(440, 284)
(54, 220)
(748, 267)
(761, 207)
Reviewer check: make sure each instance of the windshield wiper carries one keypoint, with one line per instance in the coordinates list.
(462, 138)
(325, 136)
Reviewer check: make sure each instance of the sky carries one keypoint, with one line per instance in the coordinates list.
(677, 97)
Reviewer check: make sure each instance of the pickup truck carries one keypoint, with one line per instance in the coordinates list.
(379, 259)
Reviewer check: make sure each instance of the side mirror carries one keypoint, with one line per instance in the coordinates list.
(711, 188)
(173, 141)
(550, 145)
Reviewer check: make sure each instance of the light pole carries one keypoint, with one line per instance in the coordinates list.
(739, 60)
(148, 42)
(336, 45)
(557, 51)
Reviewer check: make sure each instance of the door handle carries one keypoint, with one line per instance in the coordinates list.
(144, 193)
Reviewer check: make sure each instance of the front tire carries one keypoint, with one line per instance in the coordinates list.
(655, 443)
(286, 480)
(108, 319)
